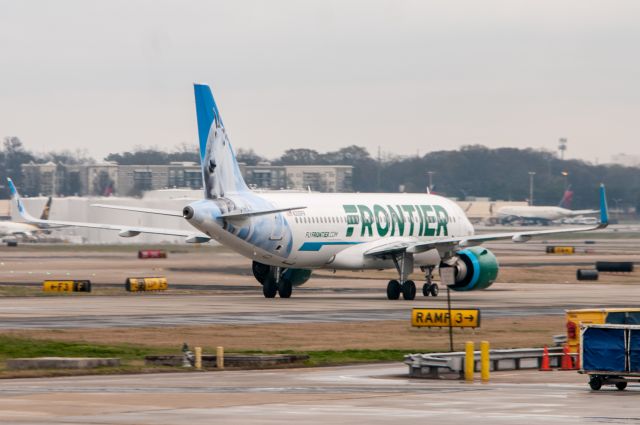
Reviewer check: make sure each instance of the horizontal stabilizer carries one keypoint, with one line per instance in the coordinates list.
(140, 209)
(123, 230)
(246, 214)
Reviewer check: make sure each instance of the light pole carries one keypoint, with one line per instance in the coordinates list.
(430, 174)
(531, 174)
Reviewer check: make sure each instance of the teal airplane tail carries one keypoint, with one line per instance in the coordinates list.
(220, 170)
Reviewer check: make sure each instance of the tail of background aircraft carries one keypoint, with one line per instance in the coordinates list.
(567, 198)
(46, 210)
(220, 169)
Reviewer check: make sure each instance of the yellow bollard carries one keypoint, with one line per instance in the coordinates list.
(469, 361)
(220, 357)
(198, 353)
(484, 361)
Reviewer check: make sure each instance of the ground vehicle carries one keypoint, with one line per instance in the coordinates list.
(610, 354)
(618, 316)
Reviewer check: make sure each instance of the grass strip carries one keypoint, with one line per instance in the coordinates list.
(15, 347)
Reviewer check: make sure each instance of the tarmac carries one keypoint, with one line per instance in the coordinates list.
(372, 394)
(226, 293)
(136, 310)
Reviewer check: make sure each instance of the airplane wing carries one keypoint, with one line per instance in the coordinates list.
(124, 230)
(446, 245)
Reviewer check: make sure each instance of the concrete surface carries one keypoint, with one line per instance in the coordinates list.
(379, 394)
(229, 294)
(324, 306)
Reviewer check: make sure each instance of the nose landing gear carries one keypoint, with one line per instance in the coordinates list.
(430, 288)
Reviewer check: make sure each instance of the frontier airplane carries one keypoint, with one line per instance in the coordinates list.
(287, 235)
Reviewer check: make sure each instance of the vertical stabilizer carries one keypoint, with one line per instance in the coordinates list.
(567, 198)
(46, 210)
(220, 170)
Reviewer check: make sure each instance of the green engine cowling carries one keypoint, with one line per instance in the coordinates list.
(297, 276)
(476, 268)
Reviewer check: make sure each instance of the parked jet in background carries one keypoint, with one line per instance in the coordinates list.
(544, 214)
(26, 230)
(287, 235)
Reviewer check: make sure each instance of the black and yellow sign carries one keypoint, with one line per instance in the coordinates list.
(439, 318)
(66, 286)
(140, 284)
(563, 250)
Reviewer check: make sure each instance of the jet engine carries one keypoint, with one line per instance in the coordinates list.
(475, 268)
(296, 276)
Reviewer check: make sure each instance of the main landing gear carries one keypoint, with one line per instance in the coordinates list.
(405, 286)
(275, 283)
(272, 280)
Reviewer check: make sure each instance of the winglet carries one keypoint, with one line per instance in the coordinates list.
(604, 210)
(15, 195)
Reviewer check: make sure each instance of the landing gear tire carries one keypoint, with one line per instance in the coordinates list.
(595, 383)
(408, 290)
(285, 288)
(426, 289)
(434, 290)
(393, 290)
(260, 271)
(621, 385)
(269, 287)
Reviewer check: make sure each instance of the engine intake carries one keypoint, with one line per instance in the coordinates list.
(476, 268)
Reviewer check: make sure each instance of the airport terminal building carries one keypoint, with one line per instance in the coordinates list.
(109, 178)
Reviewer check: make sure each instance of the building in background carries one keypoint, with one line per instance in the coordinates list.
(319, 178)
(109, 178)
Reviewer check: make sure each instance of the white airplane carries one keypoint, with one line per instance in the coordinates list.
(545, 214)
(287, 235)
(15, 228)
(541, 214)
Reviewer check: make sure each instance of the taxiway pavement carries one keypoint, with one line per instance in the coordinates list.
(374, 394)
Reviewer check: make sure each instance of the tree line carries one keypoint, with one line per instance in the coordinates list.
(475, 170)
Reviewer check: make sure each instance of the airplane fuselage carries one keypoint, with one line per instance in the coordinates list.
(8, 228)
(334, 230)
(547, 213)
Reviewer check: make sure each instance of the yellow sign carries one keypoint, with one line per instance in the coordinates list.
(57, 286)
(563, 250)
(139, 284)
(66, 286)
(439, 318)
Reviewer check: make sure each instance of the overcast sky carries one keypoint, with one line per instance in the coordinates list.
(408, 76)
